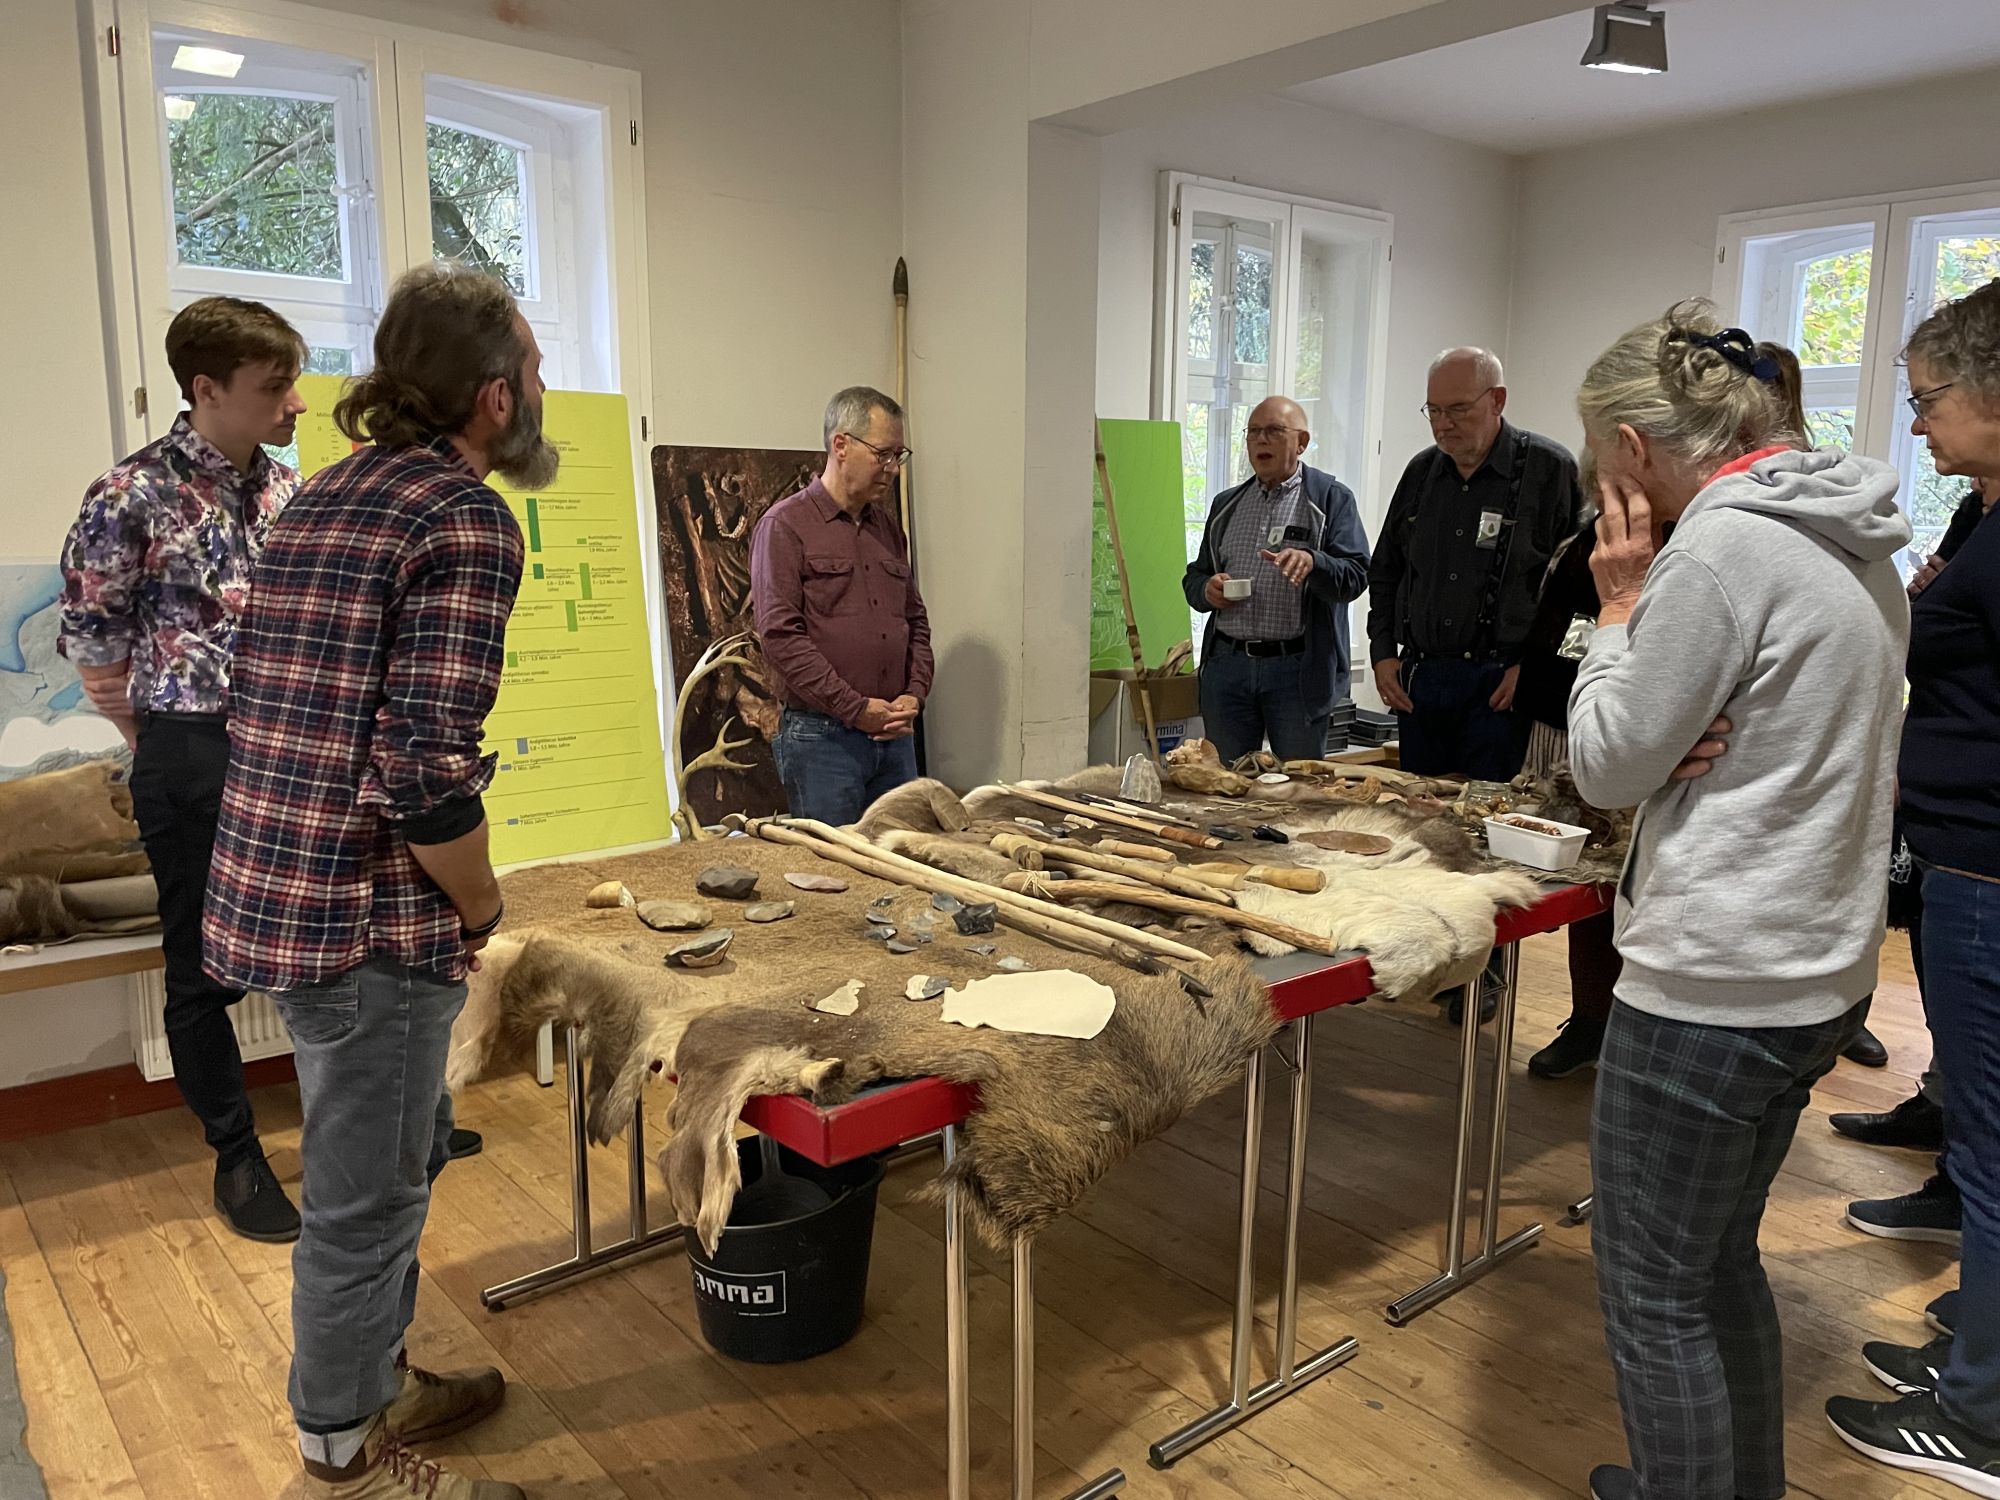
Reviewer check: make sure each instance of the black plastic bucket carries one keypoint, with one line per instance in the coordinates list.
(777, 1292)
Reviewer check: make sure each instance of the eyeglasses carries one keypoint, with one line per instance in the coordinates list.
(1459, 412)
(1268, 434)
(1916, 401)
(890, 457)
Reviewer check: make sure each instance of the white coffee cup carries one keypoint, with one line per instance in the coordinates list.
(1236, 588)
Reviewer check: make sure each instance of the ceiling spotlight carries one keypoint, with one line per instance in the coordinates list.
(213, 61)
(1627, 38)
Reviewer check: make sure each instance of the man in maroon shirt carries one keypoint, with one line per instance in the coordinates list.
(842, 625)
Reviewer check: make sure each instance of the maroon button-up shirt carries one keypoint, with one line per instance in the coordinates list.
(837, 611)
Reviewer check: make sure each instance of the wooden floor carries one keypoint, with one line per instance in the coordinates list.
(153, 1344)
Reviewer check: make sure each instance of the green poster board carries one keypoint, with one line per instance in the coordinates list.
(1145, 463)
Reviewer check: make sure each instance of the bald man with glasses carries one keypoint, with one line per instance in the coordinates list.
(1458, 573)
(1282, 557)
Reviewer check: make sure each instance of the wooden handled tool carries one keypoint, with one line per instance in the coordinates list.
(1307, 882)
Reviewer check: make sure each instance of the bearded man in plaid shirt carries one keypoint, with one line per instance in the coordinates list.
(351, 877)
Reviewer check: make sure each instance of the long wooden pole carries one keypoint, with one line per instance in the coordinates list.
(902, 290)
(1141, 895)
(926, 877)
(1098, 814)
(1125, 596)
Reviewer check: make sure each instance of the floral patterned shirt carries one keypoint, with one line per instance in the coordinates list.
(156, 569)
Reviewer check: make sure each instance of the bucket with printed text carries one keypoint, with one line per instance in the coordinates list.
(789, 1278)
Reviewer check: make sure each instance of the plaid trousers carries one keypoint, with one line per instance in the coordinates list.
(1690, 1126)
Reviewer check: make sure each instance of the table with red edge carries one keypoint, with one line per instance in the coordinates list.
(893, 1116)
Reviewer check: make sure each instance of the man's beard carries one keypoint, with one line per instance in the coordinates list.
(521, 455)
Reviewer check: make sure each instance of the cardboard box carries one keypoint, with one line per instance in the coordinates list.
(1116, 730)
(1173, 697)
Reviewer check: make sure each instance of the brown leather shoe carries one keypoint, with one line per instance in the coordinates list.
(430, 1406)
(386, 1470)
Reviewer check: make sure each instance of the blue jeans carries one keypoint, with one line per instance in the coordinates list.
(1454, 730)
(833, 773)
(370, 1048)
(1248, 699)
(1961, 938)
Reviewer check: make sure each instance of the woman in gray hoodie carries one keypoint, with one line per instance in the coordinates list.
(1741, 580)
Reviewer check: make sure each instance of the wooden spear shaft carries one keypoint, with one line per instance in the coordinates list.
(902, 289)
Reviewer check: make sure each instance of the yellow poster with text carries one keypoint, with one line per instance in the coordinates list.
(576, 724)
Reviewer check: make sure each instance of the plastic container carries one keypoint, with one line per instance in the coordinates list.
(774, 1293)
(1539, 851)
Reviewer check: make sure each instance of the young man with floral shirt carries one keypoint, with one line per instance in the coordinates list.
(156, 576)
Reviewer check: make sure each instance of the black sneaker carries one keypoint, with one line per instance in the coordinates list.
(1931, 1213)
(1866, 1050)
(1489, 1002)
(249, 1198)
(1942, 1314)
(1907, 1371)
(1613, 1482)
(463, 1143)
(1916, 1124)
(1575, 1048)
(1915, 1434)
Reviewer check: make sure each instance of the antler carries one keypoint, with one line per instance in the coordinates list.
(721, 654)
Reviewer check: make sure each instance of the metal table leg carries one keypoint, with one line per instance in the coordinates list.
(1459, 1271)
(584, 1259)
(1580, 1211)
(1112, 1481)
(957, 1333)
(1245, 1401)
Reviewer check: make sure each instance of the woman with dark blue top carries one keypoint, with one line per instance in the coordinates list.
(1948, 1421)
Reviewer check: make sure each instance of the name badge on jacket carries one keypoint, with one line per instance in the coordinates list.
(1293, 536)
(1489, 530)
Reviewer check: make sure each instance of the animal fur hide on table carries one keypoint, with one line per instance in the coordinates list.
(1055, 1113)
(1423, 912)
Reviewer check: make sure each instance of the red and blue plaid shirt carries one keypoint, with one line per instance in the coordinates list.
(365, 667)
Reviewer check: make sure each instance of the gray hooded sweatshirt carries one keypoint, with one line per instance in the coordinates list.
(1755, 895)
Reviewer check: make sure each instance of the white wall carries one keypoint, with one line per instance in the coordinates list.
(772, 138)
(1614, 233)
(1450, 278)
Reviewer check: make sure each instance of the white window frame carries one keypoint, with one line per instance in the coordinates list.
(1736, 254)
(128, 165)
(1915, 231)
(151, 254)
(1183, 195)
(1907, 226)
